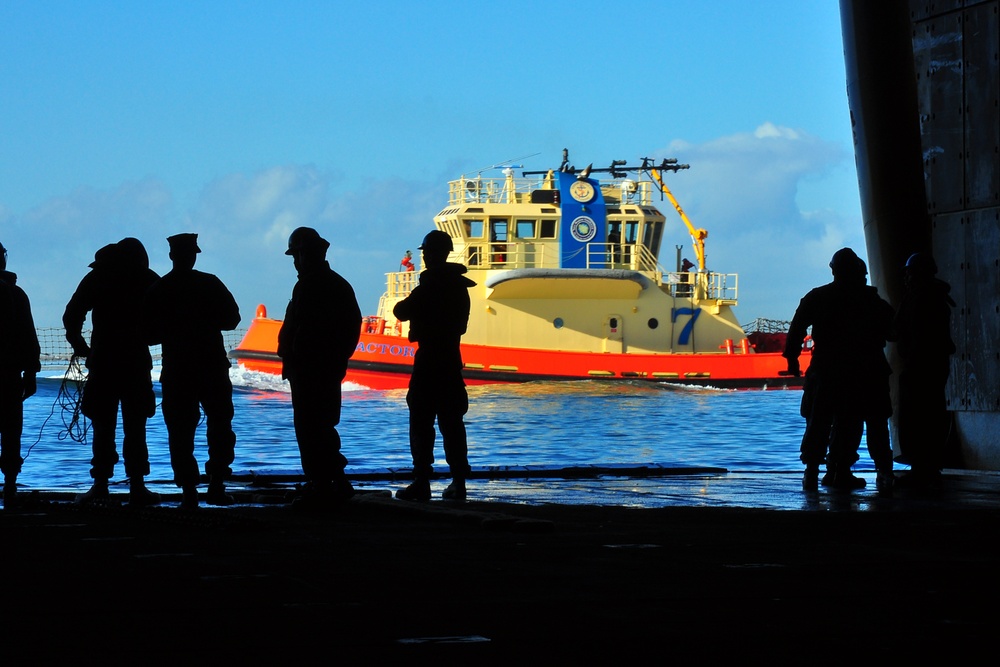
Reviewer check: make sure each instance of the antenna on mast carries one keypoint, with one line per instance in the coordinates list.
(507, 163)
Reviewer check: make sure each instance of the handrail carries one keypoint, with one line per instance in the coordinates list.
(54, 348)
(510, 190)
(400, 283)
(720, 287)
(634, 256)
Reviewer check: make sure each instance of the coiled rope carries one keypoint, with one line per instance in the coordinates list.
(69, 402)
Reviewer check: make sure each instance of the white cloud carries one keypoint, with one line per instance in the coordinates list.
(770, 130)
(743, 188)
(246, 220)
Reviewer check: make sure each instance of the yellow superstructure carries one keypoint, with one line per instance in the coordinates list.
(608, 294)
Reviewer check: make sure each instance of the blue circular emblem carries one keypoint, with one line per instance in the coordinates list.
(583, 229)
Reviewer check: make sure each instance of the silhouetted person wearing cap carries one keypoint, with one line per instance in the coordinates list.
(186, 311)
(925, 345)
(438, 312)
(847, 320)
(19, 363)
(119, 363)
(320, 332)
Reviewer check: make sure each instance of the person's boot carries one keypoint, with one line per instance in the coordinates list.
(455, 491)
(10, 492)
(884, 481)
(189, 497)
(217, 495)
(98, 493)
(810, 479)
(419, 490)
(842, 479)
(139, 495)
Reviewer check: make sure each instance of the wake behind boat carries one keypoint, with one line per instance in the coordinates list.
(569, 286)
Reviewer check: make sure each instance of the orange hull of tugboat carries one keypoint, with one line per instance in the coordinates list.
(385, 361)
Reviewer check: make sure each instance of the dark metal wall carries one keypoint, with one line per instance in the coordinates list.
(924, 91)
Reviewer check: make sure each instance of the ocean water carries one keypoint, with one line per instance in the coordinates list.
(534, 424)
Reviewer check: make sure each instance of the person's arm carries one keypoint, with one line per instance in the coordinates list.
(75, 315)
(797, 334)
(405, 309)
(229, 310)
(31, 362)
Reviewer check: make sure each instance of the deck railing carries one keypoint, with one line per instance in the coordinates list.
(400, 283)
(721, 287)
(56, 351)
(503, 190)
(545, 255)
(633, 256)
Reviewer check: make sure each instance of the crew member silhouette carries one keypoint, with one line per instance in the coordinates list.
(684, 288)
(844, 318)
(320, 333)
(186, 311)
(119, 363)
(438, 312)
(868, 406)
(19, 363)
(407, 262)
(925, 345)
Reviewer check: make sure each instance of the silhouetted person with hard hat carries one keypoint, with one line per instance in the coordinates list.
(119, 364)
(186, 311)
(847, 318)
(438, 312)
(407, 262)
(320, 332)
(869, 404)
(925, 345)
(19, 363)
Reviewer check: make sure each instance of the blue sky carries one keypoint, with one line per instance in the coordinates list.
(243, 120)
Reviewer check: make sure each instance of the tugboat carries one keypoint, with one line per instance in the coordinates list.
(569, 286)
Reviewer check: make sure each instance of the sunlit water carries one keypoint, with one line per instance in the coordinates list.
(534, 424)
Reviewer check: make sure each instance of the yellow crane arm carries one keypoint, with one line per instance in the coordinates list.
(698, 236)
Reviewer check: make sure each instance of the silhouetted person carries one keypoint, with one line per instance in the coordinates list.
(925, 344)
(186, 311)
(119, 363)
(407, 262)
(844, 321)
(438, 312)
(320, 333)
(684, 289)
(868, 406)
(19, 363)
(615, 245)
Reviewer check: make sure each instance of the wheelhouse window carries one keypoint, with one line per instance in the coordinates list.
(651, 236)
(498, 229)
(474, 229)
(525, 229)
(498, 238)
(548, 229)
(631, 231)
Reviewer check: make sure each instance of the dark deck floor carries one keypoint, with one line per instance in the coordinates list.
(718, 567)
